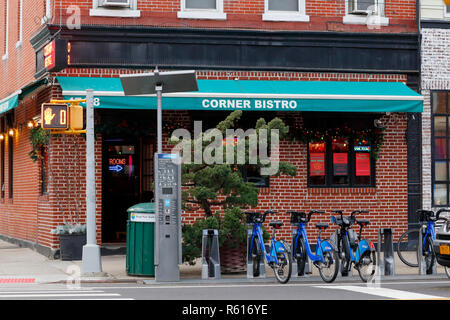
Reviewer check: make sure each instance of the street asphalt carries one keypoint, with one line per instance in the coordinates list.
(23, 265)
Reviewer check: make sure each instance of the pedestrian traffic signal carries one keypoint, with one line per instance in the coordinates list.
(63, 116)
(55, 116)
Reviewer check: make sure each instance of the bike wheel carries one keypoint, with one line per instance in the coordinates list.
(447, 271)
(256, 257)
(329, 270)
(367, 266)
(344, 255)
(407, 246)
(283, 267)
(429, 255)
(300, 256)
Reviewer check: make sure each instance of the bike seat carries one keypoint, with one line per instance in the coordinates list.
(276, 224)
(363, 222)
(322, 226)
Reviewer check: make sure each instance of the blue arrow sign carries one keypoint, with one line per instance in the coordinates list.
(116, 168)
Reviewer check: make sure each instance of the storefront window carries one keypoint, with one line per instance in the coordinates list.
(317, 163)
(340, 160)
(440, 148)
(363, 162)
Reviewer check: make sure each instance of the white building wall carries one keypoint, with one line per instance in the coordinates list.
(433, 9)
(435, 76)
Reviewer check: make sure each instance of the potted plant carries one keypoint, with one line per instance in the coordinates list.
(72, 238)
(222, 186)
(232, 239)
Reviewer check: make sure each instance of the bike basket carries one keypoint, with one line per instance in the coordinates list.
(251, 217)
(424, 215)
(297, 217)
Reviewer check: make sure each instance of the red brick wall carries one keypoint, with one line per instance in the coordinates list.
(18, 70)
(324, 16)
(18, 216)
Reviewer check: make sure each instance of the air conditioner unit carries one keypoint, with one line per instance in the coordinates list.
(116, 3)
(361, 6)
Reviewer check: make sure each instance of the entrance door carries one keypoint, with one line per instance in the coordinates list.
(127, 180)
(121, 187)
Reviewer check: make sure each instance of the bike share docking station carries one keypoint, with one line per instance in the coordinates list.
(210, 254)
(250, 267)
(386, 267)
(302, 271)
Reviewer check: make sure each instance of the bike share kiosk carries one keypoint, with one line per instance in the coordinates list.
(168, 217)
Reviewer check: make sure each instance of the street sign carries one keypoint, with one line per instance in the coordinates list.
(55, 116)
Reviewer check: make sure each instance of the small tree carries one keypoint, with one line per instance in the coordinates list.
(221, 184)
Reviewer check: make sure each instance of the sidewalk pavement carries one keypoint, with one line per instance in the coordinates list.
(23, 265)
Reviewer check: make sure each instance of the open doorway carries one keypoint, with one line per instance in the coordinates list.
(127, 171)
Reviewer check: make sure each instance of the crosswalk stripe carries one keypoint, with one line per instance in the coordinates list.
(49, 292)
(384, 292)
(60, 295)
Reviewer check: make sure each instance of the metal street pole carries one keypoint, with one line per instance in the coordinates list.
(91, 263)
(158, 90)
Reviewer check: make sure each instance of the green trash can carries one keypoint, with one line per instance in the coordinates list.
(140, 259)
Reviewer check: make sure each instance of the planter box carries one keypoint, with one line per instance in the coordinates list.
(233, 260)
(71, 246)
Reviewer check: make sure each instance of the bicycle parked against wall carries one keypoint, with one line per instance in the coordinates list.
(408, 243)
(351, 248)
(325, 258)
(279, 256)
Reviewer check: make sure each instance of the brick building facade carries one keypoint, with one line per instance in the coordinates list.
(242, 40)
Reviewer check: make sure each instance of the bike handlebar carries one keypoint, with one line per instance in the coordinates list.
(258, 214)
(352, 218)
(301, 213)
(313, 212)
(429, 215)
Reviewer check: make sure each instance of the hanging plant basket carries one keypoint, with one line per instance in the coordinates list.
(39, 140)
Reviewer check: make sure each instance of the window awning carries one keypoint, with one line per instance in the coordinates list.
(256, 95)
(10, 102)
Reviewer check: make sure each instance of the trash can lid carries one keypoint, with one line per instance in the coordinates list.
(146, 207)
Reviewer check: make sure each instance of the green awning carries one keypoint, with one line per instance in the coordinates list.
(12, 101)
(9, 102)
(258, 95)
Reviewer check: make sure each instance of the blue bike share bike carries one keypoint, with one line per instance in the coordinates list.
(279, 255)
(352, 249)
(408, 243)
(325, 258)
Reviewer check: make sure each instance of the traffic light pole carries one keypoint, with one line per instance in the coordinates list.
(91, 263)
